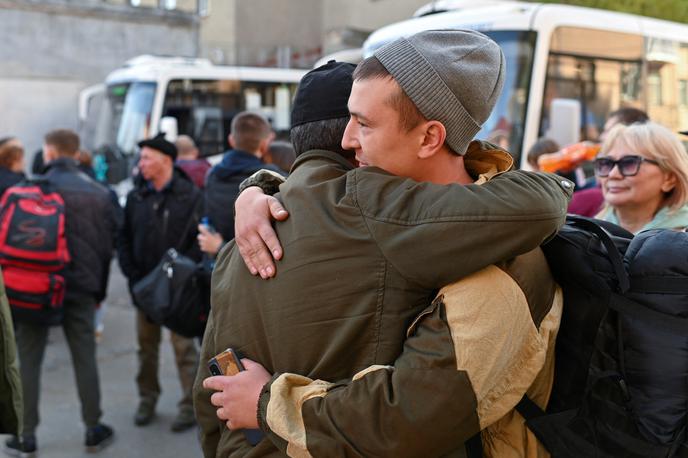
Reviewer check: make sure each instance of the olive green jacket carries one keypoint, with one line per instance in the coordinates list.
(484, 342)
(10, 383)
(364, 253)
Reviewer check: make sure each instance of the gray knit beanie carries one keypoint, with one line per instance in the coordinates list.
(452, 76)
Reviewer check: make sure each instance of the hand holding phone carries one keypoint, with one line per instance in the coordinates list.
(225, 363)
(228, 363)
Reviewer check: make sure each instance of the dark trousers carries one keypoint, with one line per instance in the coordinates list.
(78, 330)
(186, 357)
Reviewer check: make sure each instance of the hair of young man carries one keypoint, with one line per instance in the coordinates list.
(629, 115)
(85, 158)
(65, 142)
(326, 135)
(186, 147)
(10, 153)
(248, 130)
(409, 114)
(282, 154)
(544, 145)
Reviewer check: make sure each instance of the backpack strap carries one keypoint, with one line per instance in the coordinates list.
(612, 251)
(528, 409)
(474, 447)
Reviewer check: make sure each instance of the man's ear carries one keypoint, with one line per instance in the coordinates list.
(49, 153)
(434, 135)
(230, 140)
(264, 146)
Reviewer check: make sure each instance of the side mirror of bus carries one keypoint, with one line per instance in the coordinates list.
(168, 124)
(564, 121)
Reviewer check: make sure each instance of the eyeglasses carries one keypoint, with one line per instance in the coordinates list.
(628, 165)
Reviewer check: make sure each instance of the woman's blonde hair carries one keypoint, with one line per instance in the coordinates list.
(658, 143)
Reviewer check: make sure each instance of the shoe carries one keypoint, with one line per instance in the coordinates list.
(24, 448)
(184, 420)
(145, 413)
(98, 437)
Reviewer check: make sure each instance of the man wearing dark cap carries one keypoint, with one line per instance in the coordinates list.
(161, 213)
(90, 229)
(368, 253)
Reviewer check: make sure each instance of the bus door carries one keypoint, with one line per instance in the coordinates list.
(601, 69)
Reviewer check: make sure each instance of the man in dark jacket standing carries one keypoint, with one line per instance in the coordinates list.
(90, 229)
(250, 139)
(161, 213)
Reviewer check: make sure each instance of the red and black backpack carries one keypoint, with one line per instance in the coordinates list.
(33, 251)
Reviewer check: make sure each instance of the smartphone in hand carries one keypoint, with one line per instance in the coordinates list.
(225, 363)
(229, 363)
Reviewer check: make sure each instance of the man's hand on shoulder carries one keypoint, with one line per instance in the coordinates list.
(253, 232)
(237, 395)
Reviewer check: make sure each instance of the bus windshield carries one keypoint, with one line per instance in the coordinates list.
(135, 118)
(505, 126)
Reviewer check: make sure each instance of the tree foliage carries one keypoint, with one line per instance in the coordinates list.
(671, 10)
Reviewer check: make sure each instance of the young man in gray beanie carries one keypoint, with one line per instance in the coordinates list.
(452, 380)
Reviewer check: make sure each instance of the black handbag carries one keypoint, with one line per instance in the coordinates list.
(176, 294)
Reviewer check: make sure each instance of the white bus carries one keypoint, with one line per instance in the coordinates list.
(185, 95)
(603, 60)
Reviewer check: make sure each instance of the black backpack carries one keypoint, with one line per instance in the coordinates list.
(621, 370)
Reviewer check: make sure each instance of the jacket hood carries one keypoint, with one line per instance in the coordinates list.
(484, 161)
(236, 161)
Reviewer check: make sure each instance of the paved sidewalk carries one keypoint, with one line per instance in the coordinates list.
(61, 433)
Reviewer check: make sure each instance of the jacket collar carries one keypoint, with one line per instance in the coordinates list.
(483, 160)
(321, 155)
(62, 163)
(180, 183)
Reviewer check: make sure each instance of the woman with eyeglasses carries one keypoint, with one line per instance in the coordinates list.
(643, 171)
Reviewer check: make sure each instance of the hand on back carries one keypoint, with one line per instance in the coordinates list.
(253, 232)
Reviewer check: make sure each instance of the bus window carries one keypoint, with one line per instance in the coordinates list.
(505, 125)
(601, 69)
(667, 73)
(204, 108)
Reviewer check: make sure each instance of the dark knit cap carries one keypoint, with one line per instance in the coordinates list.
(452, 76)
(323, 93)
(159, 143)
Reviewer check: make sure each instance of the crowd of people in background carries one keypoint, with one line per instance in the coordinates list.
(169, 192)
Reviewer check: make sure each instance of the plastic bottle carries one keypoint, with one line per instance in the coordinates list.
(568, 158)
(205, 221)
